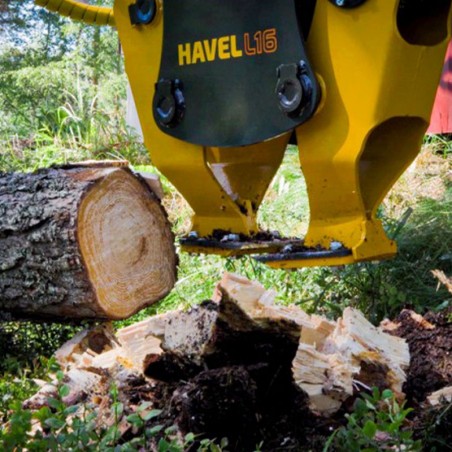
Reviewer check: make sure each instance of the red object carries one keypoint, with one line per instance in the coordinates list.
(441, 120)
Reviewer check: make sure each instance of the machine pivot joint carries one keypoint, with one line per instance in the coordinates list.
(294, 88)
(169, 102)
(142, 12)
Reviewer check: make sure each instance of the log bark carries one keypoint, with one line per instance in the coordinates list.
(82, 241)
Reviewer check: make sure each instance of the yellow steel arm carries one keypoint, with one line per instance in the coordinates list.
(89, 14)
(381, 74)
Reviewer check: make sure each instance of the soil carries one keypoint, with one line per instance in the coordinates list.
(430, 343)
(242, 404)
(240, 386)
(431, 353)
(245, 392)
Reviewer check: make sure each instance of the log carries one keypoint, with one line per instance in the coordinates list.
(85, 241)
(441, 396)
(139, 346)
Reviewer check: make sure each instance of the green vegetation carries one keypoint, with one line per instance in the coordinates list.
(376, 424)
(84, 433)
(62, 98)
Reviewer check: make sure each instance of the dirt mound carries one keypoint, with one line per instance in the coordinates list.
(430, 342)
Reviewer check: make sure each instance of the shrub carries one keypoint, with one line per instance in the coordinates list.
(377, 423)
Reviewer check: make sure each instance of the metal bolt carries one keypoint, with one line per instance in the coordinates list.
(287, 249)
(334, 246)
(294, 88)
(230, 238)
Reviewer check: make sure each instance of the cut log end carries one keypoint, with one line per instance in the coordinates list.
(126, 244)
(83, 241)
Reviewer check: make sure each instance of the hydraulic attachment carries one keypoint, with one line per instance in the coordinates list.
(221, 86)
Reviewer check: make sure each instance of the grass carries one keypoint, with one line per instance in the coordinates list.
(417, 213)
(419, 219)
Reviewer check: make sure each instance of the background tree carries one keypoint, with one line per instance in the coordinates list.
(57, 76)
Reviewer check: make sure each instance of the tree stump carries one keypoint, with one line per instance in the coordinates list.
(82, 241)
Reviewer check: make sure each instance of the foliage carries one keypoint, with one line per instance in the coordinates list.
(16, 384)
(22, 342)
(376, 423)
(287, 189)
(26, 355)
(59, 78)
(436, 434)
(62, 427)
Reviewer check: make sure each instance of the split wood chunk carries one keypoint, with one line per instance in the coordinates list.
(82, 241)
(225, 331)
(442, 396)
(327, 379)
(189, 333)
(443, 279)
(354, 355)
(154, 183)
(85, 345)
(355, 335)
(79, 381)
(258, 303)
(333, 358)
(141, 341)
(240, 305)
(95, 350)
(110, 359)
(389, 325)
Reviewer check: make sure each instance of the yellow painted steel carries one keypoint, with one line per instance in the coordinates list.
(378, 70)
(377, 105)
(89, 14)
(223, 186)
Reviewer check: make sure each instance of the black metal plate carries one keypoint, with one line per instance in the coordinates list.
(236, 248)
(232, 101)
(307, 254)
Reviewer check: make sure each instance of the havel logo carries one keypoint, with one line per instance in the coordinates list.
(226, 47)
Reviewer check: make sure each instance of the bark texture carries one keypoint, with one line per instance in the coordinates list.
(82, 242)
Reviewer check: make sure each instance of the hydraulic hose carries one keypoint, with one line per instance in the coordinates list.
(76, 10)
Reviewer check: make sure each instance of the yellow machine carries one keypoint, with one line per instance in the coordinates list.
(221, 86)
